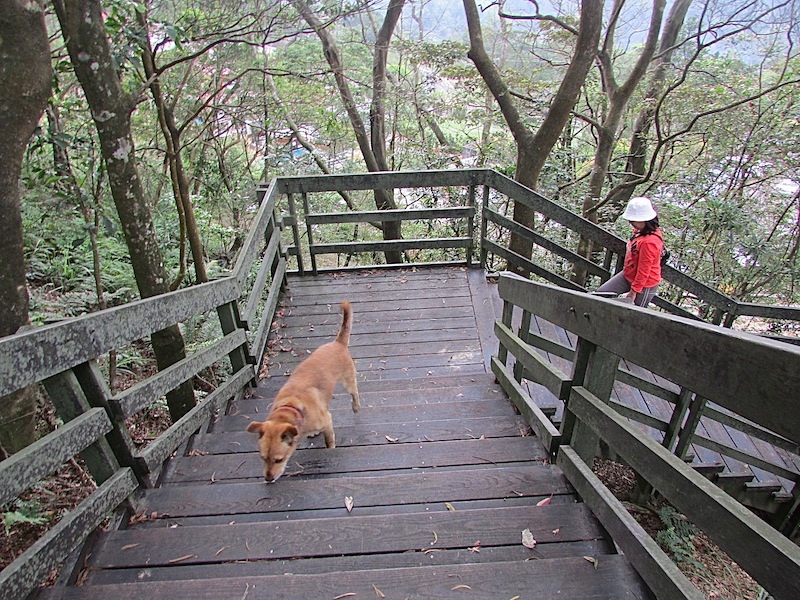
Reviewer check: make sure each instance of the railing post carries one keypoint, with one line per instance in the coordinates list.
(92, 386)
(484, 207)
(522, 333)
(471, 225)
(70, 402)
(295, 232)
(594, 368)
(310, 234)
(230, 321)
(692, 421)
(676, 420)
(508, 315)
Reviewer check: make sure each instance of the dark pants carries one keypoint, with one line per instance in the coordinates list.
(619, 285)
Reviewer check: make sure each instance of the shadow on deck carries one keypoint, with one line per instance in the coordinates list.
(443, 474)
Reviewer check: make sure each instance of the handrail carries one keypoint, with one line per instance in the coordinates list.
(685, 352)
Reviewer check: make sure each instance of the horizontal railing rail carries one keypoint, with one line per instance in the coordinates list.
(744, 375)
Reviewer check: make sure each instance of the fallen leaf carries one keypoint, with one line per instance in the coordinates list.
(544, 502)
(592, 560)
(378, 593)
(462, 587)
(527, 539)
(476, 548)
(391, 439)
(128, 546)
(450, 507)
(347, 595)
(556, 531)
(435, 538)
(348, 503)
(182, 558)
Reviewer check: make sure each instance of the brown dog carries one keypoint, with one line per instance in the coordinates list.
(301, 406)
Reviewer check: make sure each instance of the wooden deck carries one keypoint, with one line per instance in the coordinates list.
(444, 476)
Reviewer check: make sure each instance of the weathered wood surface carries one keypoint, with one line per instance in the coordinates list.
(443, 474)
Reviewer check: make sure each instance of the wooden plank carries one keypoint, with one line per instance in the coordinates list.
(360, 459)
(305, 494)
(770, 558)
(346, 535)
(42, 352)
(378, 434)
(370, 301)
(382, 216)
(383, 180)
(267, 388)
(339, 564)
(376, 399)
(23, 575)
(384, 245)
(685, 358)
(536, 367)
(143, 394)
(421, 413)
(658, 570)
(25, 468)
(568, 578)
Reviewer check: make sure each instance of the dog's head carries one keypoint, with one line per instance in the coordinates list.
(277, 442)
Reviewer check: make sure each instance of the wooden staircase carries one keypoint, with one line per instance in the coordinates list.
(443, 476)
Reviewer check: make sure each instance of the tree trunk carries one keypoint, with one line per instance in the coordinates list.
(534, 149)
(637, 151)
(84, 31)
(607, 131)
(26, 75)
(372, 146)
(172, 138)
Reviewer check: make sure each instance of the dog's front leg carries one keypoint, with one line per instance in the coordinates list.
(330, 437)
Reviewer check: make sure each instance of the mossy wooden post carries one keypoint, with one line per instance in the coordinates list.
(93, 387)
(310, 233)
(522, 333)
(70, 402)
(483, 246)
(295, 232)
(230, 321)
(594, 369)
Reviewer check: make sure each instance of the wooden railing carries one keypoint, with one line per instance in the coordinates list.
(741, 373)
(64, 358)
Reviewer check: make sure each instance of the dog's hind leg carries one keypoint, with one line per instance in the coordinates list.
(350, 382)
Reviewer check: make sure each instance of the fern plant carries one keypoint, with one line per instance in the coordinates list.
(677, 535)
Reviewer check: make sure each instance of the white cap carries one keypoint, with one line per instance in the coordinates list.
(639, 209)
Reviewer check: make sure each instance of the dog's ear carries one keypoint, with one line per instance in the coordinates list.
(288, 435)
(255, 427)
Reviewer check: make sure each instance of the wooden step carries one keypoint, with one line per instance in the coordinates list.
(292, 497)
(376, 434)
(368, 419)
(359, 459)
(564, 578)
(347, 535)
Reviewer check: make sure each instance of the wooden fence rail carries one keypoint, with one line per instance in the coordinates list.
(744, 374)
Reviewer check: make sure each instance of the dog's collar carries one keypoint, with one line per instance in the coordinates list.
(291, 408)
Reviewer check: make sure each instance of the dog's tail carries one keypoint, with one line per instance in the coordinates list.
(347, 321)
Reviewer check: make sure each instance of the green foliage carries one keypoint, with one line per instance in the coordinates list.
(23, 511)
(676, 538)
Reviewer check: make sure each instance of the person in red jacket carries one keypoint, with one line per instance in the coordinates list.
(641, 274)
